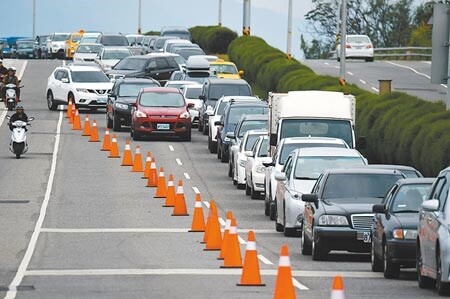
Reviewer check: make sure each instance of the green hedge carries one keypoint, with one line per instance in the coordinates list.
(400, 129)
(213, 39)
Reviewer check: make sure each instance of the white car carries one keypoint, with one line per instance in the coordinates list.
(254, 168)
(110, 56)
(284, 148)
(168, 44)
(215, 114)
(56, 45)
(87, 52)
(89, 37)
(357, 47)
(191, 93)
(298, 176)
(86, 86)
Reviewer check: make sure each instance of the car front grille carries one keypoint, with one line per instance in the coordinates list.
(99, 91)
(362, 221)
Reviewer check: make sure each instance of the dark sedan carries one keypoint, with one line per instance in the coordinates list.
(123, 94)
(338, 213)
(394, 230)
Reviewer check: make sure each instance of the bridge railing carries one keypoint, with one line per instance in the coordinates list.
(400, 53)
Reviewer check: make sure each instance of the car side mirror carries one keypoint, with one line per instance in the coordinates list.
(310, 198)
(280, 176)
(361, 143)
(268, 164)
(65, 80)
(230, 135)
(431, 205)
(241, 72)
(133, 104)
(218, 123)
(379, 209)
(201, 97)
(112, 95)
(249, 154)
(190, 105)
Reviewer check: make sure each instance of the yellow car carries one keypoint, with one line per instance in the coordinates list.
(72, 43)
(225, 69)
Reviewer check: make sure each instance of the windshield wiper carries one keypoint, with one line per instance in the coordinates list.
(406, 211)
(304, 178)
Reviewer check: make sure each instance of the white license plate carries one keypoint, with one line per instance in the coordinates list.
(101, 100)
(162, 126)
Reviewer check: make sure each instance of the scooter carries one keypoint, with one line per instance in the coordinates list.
(19, 144)
(11, 97)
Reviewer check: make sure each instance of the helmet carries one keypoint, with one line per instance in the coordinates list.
(19, 107)
(11, 69)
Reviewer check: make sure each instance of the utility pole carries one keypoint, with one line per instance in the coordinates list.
(246, 18)
(34, 18)
(289, 32)
(220, 13)
(343, 41)
(140, 17)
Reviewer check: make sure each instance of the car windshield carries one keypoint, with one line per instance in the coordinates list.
(193, 92)
(251, 139)
(60, 37)
(237, 111)
(89, 77)
(223, 68)
(76, 38)
(310, 168)
(185, 53)
(317, 128)
(358, 185)
(289, 147)
(252, 125)
(131, 64)
(410, 173)
(264, 148)
(174, 84)
(179, 60)
(218, 90)
(180, 34)
(115, 54)
(25, 45)
(221, 108)
(114, 40)
(160, 42)
(162, 99)
(89, 48)
(132, 89)
(409, 198)
(358, 40)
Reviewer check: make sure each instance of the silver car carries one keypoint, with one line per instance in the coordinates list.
(433, 237)
(298, 176)
(254, 168)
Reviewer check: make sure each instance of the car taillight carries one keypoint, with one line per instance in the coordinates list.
(348, 46)
(369, 46)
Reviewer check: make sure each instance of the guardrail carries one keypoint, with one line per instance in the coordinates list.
(403, 53)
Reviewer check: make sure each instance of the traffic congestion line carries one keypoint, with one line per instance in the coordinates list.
(375, 89)
(12, 292)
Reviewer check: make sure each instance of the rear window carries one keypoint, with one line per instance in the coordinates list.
(251, 139)
(252, 125)
(289, 147)
(162, 99)
(116, 54)
(223, 68)
(132, 89)
(131, 64)
(89, 76)
(358, 40)
(193, 92)
(264, 148)
(89, 48)
(114, 40)
(185, 53)
(237, 111)
(216, 91)
(60, 37)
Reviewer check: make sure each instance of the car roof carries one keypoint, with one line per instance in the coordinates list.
(135, 80)
(392, 166)
(239, 98)
(313, 140)
(221, 61)
(327, 151)
(254, 117)
(161, 89)
(361, 170)
(410, 181)
(247, 104)
(114, 48)
(82, 67)
(159, 54)
(227, 81)
(256, 132)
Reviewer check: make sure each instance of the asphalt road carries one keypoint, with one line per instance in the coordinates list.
(76, 224)
(412, 77)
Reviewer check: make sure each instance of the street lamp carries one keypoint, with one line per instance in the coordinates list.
(220, 13)
(139, 17)
(289, 32)
(343, 41)
(34, 18)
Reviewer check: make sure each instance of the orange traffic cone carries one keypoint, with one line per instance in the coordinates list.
(337, 288)
(284, 288)
(152, 178)
(180, 203)
(94, 132)
(114, 150)
(148, 162)
(214, 240)
(69, 109)
(87, 126)
(72, 115)
(250, 272)
(106, 141)
(208, 222)
(226, 234)
(232, 258)
(198, 221)
(170, 198)
(76, 121)
(161, 191)
(137, 163)
(127, 159)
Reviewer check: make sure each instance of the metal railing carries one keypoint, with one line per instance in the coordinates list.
(403, 53)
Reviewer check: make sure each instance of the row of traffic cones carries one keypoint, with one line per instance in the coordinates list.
(228, 243)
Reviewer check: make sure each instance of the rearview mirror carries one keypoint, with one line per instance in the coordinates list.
(65, 80)
(431, 205)
(218, 123)
(230, 135)
(248, 154)
(268, 164)
(280, 176)
(309, 198)
(379, 209)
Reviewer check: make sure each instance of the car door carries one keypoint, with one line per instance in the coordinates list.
(308, 213)
(379, 220)
(65, 87)
(54, 84)
(281, 189)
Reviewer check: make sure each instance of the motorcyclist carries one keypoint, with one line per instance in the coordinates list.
(19, 115)
(3, 69)
(11, 78)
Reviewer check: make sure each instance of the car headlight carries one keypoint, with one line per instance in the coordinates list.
(140, 114)
(82, 90)
(184, 115)
(121, 106)
(242, 162)
(404, 234)
(226, 139)
(260, 169)
(333, 220)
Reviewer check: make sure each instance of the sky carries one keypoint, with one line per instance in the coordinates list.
(268, 17)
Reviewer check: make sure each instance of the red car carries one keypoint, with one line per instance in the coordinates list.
(161, 111)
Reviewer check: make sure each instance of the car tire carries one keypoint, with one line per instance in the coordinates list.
(318, 251)
(247, 190)
(230, 170)
(50, 101)
(369, 59)
(305, 244)
(117, 126)
(136, 136)
(338, 59)
(423, 281)
(391, 269)
(272, 211)
(375, 261)
(254, 194)
(442, 288)
(219, 152)
(200, 126)
(224, 158)
(278, 226)
(213, 147)
(240, 186)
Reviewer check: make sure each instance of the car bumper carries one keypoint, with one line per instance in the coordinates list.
(148, 126)
(258, 181)
(341, 238)
(124, 116)
(402, 252)
(294, 213)
(194, 115)
(358, 53)
(90, 100)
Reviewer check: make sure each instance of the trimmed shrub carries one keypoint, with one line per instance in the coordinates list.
(213, 39)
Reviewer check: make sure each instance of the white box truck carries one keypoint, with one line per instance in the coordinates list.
(312, 113)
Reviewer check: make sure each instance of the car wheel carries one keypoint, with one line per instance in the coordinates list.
(50, 102)
(423, 281)
(391, 269)
(213, 148)
(186, 136)
(136, 136)
(442, 288)
(338, 59)
(369, 59)
(117, 126)
(109, 123)
(318, 251)
(209, 143)
(247, 189)
(305, 244)
(375, 261)
(254, 194)
(224, 157)
(273, 211)
(278, 226)
(230, 169)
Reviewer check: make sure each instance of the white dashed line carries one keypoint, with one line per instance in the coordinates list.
(298, 285)
(350, 73)
(264, 260)
(179, 162)
(375, 89)
(326, 63)
(221, 221)
(362, 81)
(196, 190)
(186, 175)
(171, 148)
(242, 241)
(206, 204)
(443, 85)
(336, 67)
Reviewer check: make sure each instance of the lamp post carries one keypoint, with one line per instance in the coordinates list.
(34, 18)
(342, 41)
(140, 17)
(289, 32)
(220, 13)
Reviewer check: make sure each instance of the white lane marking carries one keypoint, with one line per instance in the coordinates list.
(443, 85)
(179, 162)
(263, 259)
(207, 205)
(350, 73)
(63, 62)
(114, 230)
(242, 241)
(186, 175)
(326, 63)
(426, 62)
(362, 81)
(22, 69)
(221, 221)
(298, 285)
(3, 116)
(336, 67)
(196, 190)
(171, 148)
(11, 294)
(409, 68)
(375, 89)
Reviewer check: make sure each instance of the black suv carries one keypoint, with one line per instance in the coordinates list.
(156, 66)
(227, 123)
(213, 90)
(122, 95)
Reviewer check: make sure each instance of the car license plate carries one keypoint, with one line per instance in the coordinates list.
(364, 236)
(162, 126)
(101, 100)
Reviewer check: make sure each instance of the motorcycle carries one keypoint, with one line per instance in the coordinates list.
(10, 95)
(19, 144)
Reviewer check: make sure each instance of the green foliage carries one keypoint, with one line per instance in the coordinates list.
(421, 36)
(213, 39)
(152, 32)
